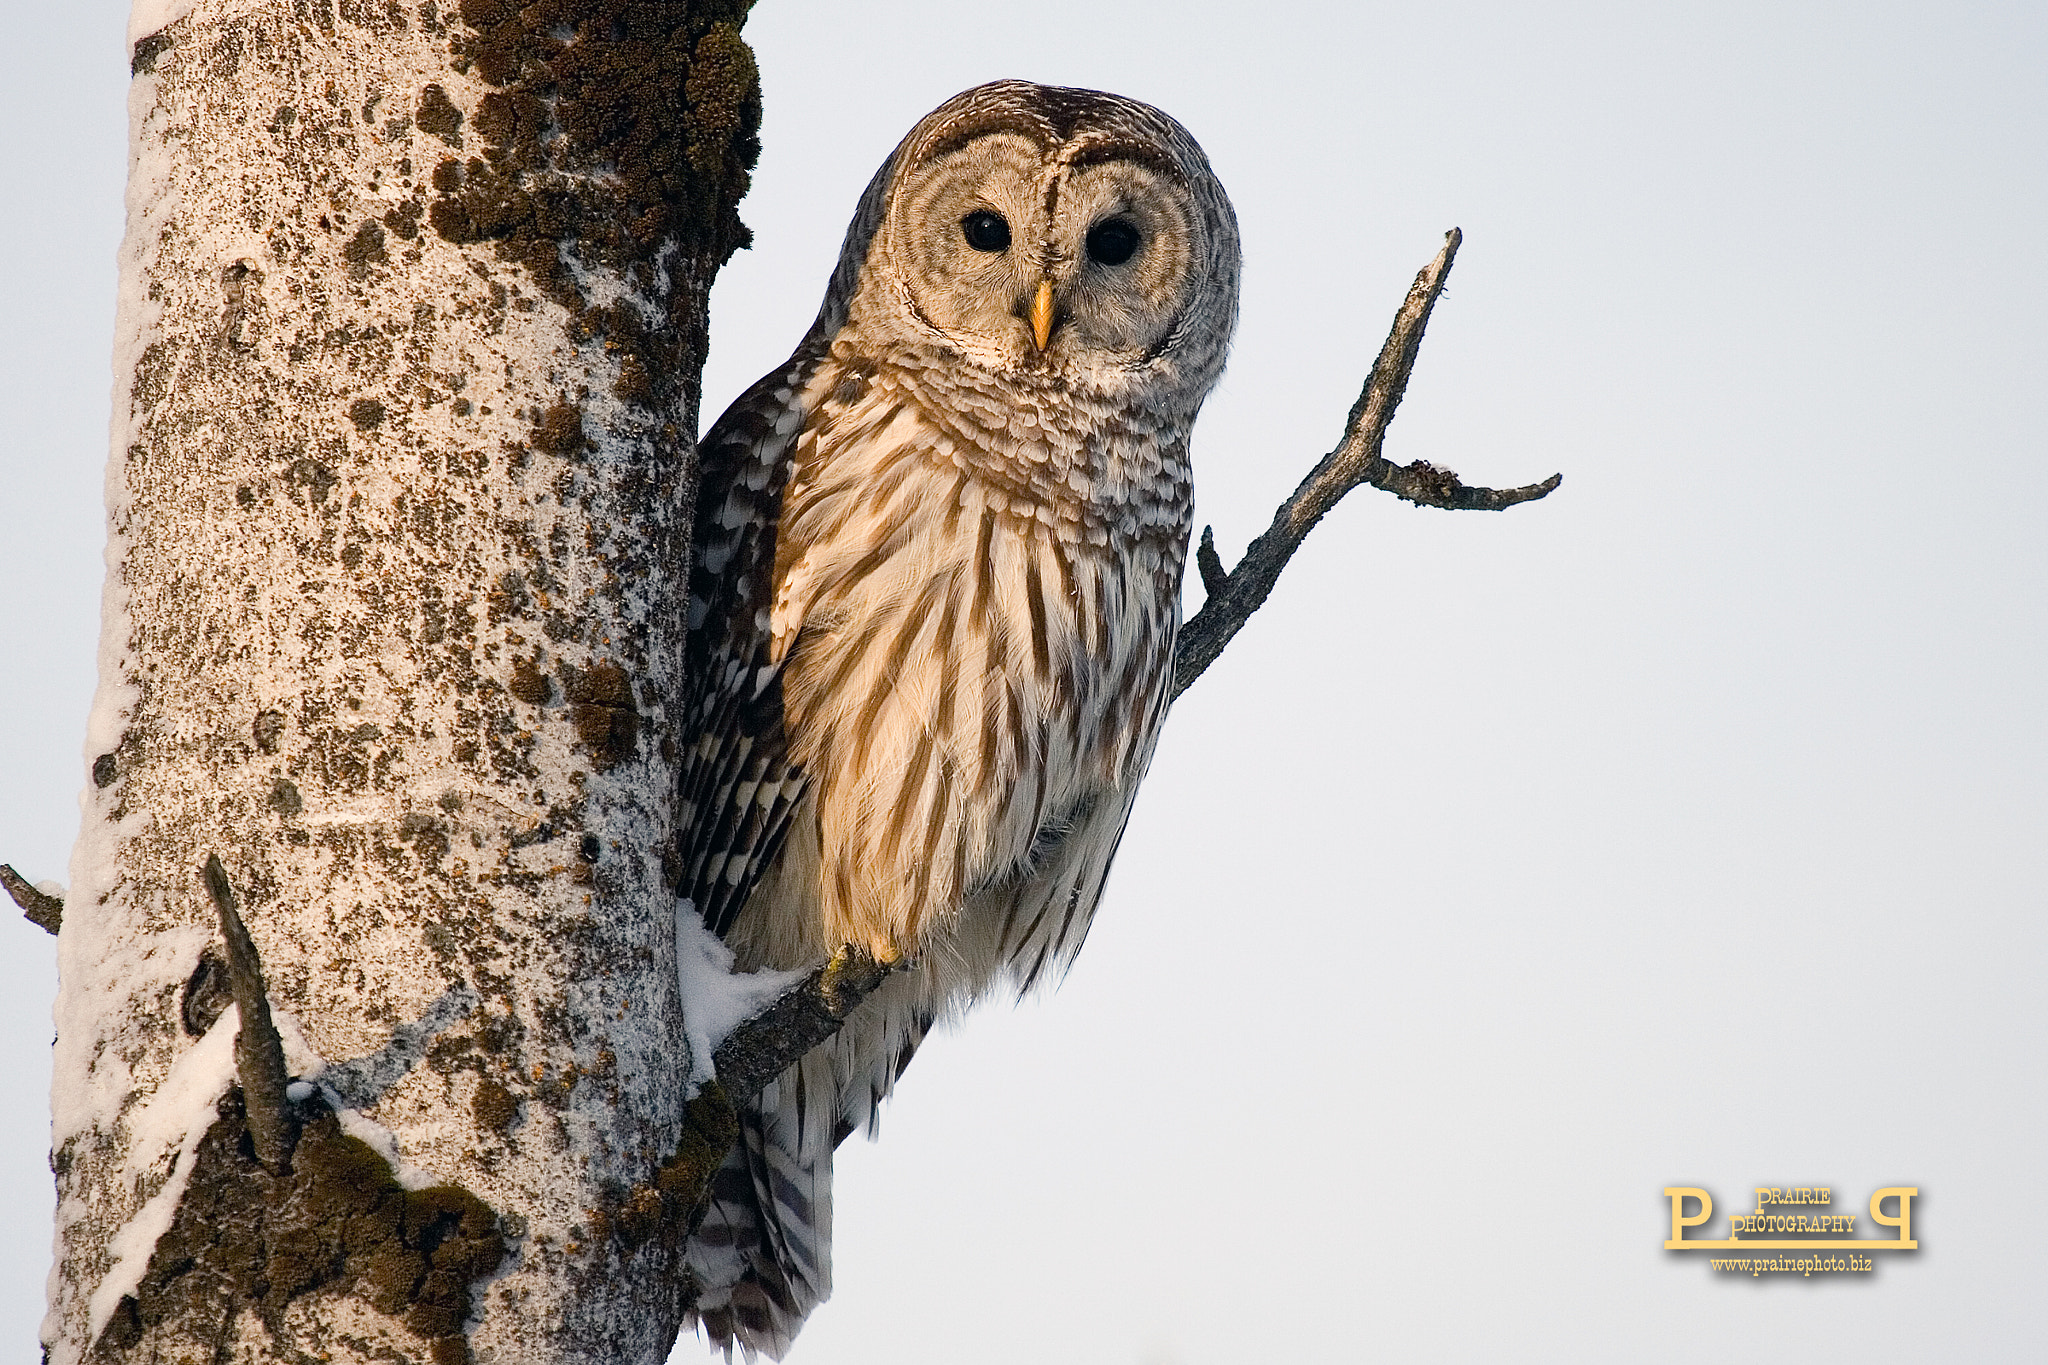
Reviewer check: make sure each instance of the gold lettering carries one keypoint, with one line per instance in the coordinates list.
(1678, 1194)
(1904, 1222)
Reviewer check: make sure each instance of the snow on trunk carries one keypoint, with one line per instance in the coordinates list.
(412, 313)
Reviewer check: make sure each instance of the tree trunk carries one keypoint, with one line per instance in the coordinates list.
(412, 315)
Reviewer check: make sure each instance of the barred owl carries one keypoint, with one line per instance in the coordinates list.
(933, 612)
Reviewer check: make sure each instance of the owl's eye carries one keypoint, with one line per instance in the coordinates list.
(1112, 242)
(986, 231)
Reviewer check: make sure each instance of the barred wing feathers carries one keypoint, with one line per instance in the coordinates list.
(738, 789)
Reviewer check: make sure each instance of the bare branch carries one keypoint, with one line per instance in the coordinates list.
(46, 912)
(774, 1040)
(259, 1053)
(1356, 460)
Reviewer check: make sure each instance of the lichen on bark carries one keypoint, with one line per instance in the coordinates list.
(657, 104)
(247, 1240)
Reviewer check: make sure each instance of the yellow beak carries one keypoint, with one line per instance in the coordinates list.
(1041, 315)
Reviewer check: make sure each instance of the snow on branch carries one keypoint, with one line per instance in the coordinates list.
(43, 910)
(804, 1016)
(1235, 595)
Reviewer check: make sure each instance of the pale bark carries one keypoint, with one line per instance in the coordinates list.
(412, 314)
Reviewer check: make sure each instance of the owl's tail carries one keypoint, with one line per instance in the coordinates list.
(762, 1257)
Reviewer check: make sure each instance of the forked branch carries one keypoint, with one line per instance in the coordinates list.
(1235, 595)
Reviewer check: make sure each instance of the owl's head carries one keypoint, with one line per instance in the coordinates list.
(1036, 230)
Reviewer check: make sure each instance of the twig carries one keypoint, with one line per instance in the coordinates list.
(1233, 597)
(804, 1016)
(259, 1053)
(47, 912)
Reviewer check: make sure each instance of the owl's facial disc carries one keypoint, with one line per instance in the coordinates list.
(1129, 239)
(1024, 261)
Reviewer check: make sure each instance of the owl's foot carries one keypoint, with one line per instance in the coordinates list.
(852, 975)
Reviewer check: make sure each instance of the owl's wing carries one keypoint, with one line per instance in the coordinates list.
(737, 786)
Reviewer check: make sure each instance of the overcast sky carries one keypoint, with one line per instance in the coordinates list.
(1686, 828)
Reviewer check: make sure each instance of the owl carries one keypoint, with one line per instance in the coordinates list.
(932, 617)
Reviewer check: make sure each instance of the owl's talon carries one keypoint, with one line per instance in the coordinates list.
(849, 978)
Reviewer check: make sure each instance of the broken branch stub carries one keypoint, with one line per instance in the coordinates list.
(259, 1052)
(44, 911)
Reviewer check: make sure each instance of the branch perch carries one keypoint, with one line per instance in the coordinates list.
(259, 1052)
(1233, 597)
(44, 911)
(802, 1017)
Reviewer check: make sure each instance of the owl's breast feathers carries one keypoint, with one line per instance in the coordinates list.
(932, 629)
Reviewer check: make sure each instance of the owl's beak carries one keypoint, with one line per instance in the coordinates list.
(1041, 315)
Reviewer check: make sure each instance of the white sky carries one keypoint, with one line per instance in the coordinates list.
(1686, 828)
